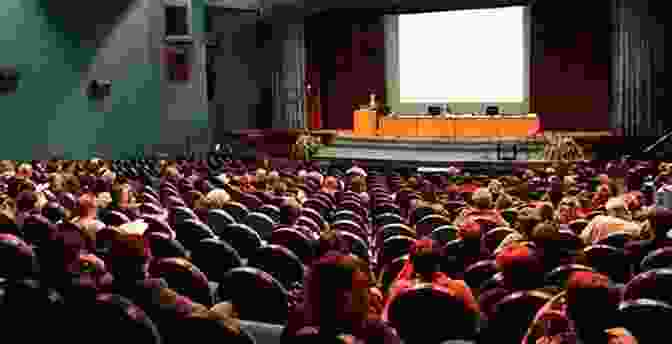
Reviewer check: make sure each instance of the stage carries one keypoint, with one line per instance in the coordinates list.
(476, 142)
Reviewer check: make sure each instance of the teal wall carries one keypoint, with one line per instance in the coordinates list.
(50, 113)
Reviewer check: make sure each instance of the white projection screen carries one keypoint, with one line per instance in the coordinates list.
(466, 56)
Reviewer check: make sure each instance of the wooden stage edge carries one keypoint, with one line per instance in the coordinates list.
(589, 135)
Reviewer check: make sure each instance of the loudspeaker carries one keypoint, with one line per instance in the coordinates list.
(9, 79)
(177, 20)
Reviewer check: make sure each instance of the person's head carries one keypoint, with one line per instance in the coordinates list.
(217, 198)
(121, 195)
(546, 212)
(337, 291)
(603, 191)
(504, 201)
(482, 198)
(26, 201)
(567, 209)
(527, 218)
(279, 187)
(633, 200)
(520, 266)
(290, 210)
(425, 257)
(412, 182)
(88, 205)
(71, 183)
(358, 184)
(330, 183)
(544, 234)
(591, 301)
(616, 208)
(24, 171)
(495, 187)
(130, 252)
(469, 231)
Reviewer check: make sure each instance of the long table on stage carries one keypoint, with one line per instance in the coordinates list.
(444, 126)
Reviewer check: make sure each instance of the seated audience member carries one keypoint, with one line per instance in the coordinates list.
(7, 168)
(423, 268)
(633, 202)
(24, 171)
(521, 268)
(659, 224)
(618, 219)
(337, 302)
(330, 185)
(601, 196)
(247, 183)
(121, 201)
(129, 260)
(526, 220)
(585, 312)
(504, 201)
(359, 187)
(87, 214)
(26, 204)
(567, 210)
(482, 209)
(471, 249)
(216, 199)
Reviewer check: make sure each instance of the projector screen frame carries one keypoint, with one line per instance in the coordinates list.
(392, 71)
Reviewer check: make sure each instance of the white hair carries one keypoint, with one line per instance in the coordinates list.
(217, 198)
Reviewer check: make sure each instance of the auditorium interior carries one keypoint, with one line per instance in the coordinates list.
(334, 171)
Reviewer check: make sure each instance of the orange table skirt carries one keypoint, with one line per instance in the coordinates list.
(472, 126)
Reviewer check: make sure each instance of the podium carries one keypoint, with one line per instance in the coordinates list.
(364, 123)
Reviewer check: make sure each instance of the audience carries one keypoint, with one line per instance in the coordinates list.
(618, 219)
(64, 251)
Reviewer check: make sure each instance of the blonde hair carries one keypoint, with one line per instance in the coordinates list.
(615, 203)
(103, 199)
(216, 198)
(7, 167)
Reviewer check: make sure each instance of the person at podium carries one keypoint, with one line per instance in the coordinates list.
(376, 105)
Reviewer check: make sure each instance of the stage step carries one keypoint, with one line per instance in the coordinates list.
(346, 148)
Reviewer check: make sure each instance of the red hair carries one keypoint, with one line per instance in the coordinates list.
(331, 276)
(519, 264)
(469, 229)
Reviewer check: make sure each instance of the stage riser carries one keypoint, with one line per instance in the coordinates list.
(456, 147)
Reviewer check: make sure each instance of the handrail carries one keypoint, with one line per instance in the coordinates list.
(659, 141)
